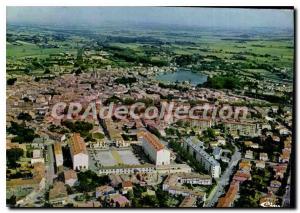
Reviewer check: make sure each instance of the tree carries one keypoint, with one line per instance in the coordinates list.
(150, 200)
(89, 180)
(24, 116)
(210, 133)
(22, 132)
(11, 202)
(11, 81)
(13, 155)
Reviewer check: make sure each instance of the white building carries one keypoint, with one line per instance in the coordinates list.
(154, 149)
(127, 170)
(37, 156)
(249, 154)
(209, 163)
(79, 153)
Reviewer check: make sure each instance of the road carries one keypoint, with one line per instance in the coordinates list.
(286, 197)
(35, 198)
(224, 180)
(50, 172)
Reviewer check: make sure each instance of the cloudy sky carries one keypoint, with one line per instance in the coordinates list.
(97, 16)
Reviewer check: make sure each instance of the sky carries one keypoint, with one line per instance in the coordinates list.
(198, 17)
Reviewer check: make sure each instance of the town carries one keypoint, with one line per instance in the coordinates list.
(66, 159)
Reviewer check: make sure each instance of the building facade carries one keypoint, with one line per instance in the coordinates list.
(209, 163)
(79, 153)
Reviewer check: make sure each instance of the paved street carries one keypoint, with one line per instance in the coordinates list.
(287, 196)
(50, 172)
(224, 180)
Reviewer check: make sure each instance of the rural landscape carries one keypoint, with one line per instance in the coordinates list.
(200, 116)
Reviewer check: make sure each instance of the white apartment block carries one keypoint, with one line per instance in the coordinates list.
(209, 163)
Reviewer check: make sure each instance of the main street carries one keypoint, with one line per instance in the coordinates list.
(50, 173)
(287, 195)
(224, 180)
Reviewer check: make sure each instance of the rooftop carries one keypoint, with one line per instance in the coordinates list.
(152, 140)
(77, 144)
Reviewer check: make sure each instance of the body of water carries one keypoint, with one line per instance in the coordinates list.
(182, 75)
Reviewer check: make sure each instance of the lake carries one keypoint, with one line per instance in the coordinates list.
(182, 75)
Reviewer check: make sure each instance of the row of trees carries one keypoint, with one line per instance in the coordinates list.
(187, 157)
(223, 82)
(22, 132)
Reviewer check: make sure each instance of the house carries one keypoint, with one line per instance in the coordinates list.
(213, 144)
(280, 170)
(37, 156)
(245, 166)
(249, 154)
(126, 186)
(248, 143)
(221, 140)
(118, 200)
(260, 164)
(263, 156)
(230, 196)
(104, 191)
(79, 153)
(276, 138)
(285, 156)
(70, 177)
(275, 183)
(254, 145)
(189, 178)
(268, 200)
(241, 176)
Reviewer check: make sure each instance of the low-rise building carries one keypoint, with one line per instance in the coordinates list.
(127, 169)
(249, 154)
(230, 196)
(243, 128)
(104, 191)
(37, 156)
(263, 156)
(260, 164)
(126, 186)
(70, 177)
(118, 200)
